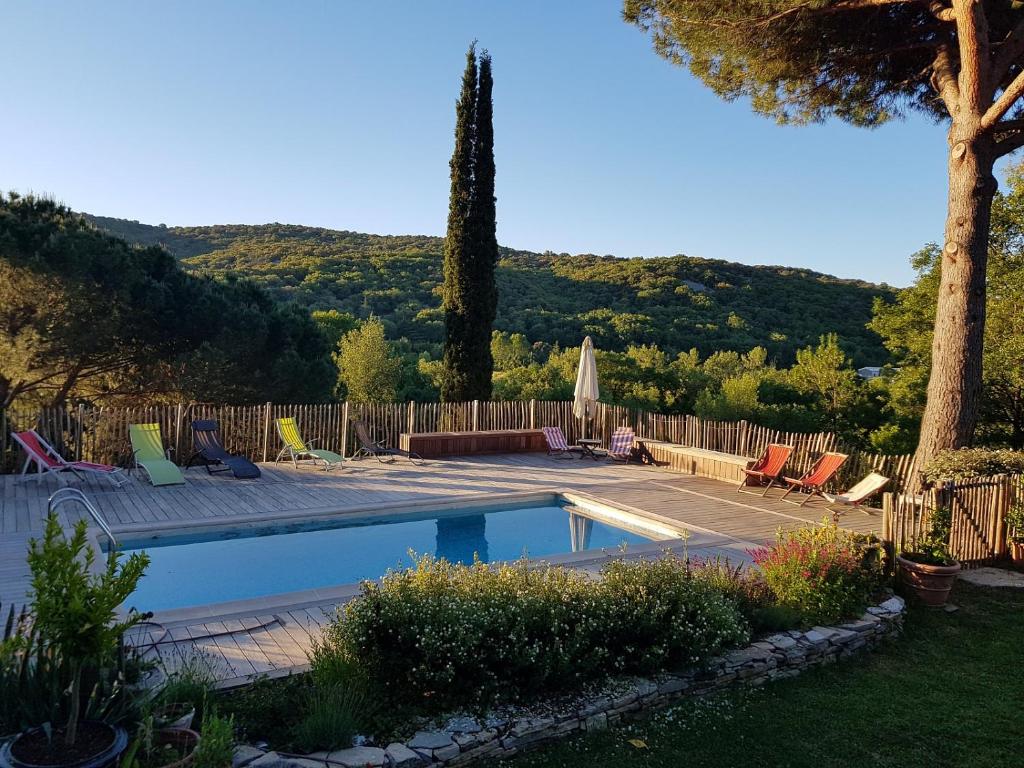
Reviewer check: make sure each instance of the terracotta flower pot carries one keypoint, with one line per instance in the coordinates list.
(181, 738)
(930, 583)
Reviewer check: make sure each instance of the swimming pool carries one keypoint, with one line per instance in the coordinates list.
(202, 568)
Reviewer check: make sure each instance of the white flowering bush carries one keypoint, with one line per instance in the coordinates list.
(464, 635)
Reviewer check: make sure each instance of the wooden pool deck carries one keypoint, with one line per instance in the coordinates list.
(272, 638)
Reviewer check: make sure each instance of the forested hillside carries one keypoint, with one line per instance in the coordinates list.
(676, 302)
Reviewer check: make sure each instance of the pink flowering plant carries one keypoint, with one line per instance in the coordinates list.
(823, 573)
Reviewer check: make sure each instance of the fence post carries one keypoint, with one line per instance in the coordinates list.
(177, 435)
(476, 415)
(410, 419)
(266, 430)
(533, 414)
(344, 429)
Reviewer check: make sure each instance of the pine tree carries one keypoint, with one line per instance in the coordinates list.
(865, 62)
(471, 249)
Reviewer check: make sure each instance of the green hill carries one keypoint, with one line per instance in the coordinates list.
(676, 302)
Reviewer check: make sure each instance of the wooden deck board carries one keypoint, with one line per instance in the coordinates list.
(727, 521)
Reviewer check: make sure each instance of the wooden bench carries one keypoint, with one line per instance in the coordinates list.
(698, 461)
(432, 445)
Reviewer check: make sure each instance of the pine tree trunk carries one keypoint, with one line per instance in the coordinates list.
(954, 386)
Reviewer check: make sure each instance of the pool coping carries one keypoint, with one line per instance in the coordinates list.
(680, 538)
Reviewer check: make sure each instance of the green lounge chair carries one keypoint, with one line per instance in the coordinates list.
(300, 450)
(148, 452)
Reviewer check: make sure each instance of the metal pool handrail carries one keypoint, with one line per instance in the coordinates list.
(73, 494)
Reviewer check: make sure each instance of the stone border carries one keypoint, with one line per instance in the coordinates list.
(464, 739)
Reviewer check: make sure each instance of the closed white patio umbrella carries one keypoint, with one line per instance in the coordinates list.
(584, 402)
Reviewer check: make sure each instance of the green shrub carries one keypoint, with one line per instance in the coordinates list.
(268, 709)
(823, 573)
(217, 741)
(964, 463)
(466, 635)
(749, 592)
(331, 717)
(1015, 522)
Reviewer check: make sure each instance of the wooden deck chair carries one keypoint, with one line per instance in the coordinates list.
(557, 445)
(620, 448)
(300, 450)
(370, 447)
(812, 482)
(149, 455)
(856, 496)
(48, 461)
(767, 470)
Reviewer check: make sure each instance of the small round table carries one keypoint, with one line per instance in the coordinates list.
(590, 448)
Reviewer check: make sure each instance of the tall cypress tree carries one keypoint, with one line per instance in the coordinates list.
(457, 243)
(484, 225)
(470, 248)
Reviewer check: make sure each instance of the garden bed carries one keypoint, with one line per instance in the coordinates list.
(507, 732)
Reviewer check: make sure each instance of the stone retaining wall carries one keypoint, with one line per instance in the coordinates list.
(465, 739)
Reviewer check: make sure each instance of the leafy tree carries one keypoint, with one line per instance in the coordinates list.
(368, 368)
(866, 61)
(86, 315)
(471, 250)
(334, 324)
(825, 374)
(510, 350)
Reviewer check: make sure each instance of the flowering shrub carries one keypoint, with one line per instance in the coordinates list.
(472, 634)
(965, 463)
(822, 572)
(748, 591)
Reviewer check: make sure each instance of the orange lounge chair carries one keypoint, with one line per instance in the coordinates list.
(856, 496)
(767, 470)
(813, 481)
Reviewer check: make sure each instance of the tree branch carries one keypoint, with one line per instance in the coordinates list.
(972, 36)
(944, 79)
(1011, 143)
(1005, 101)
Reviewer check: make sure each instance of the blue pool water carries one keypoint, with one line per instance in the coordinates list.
(190, 570)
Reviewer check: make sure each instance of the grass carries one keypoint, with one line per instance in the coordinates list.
(950, 692)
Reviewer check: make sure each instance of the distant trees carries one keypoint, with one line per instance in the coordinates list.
(866, 61)
(471, 247)
(87, 316)
(368, 369)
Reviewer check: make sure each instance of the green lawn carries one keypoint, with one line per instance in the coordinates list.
(949, 692)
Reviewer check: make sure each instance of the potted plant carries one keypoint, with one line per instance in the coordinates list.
(927, 569)
(77, 634)
(1015, 531)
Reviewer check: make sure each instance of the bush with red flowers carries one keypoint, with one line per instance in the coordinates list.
(823, 573)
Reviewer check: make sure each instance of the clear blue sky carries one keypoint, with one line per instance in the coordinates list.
(340, 114)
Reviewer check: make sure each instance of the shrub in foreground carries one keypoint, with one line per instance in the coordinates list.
(823, 573)
(458, 635)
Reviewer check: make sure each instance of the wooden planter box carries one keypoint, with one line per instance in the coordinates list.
(432, 445)
(698, 461)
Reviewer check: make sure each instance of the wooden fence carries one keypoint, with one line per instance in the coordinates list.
(977, 508)
(101, 433)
